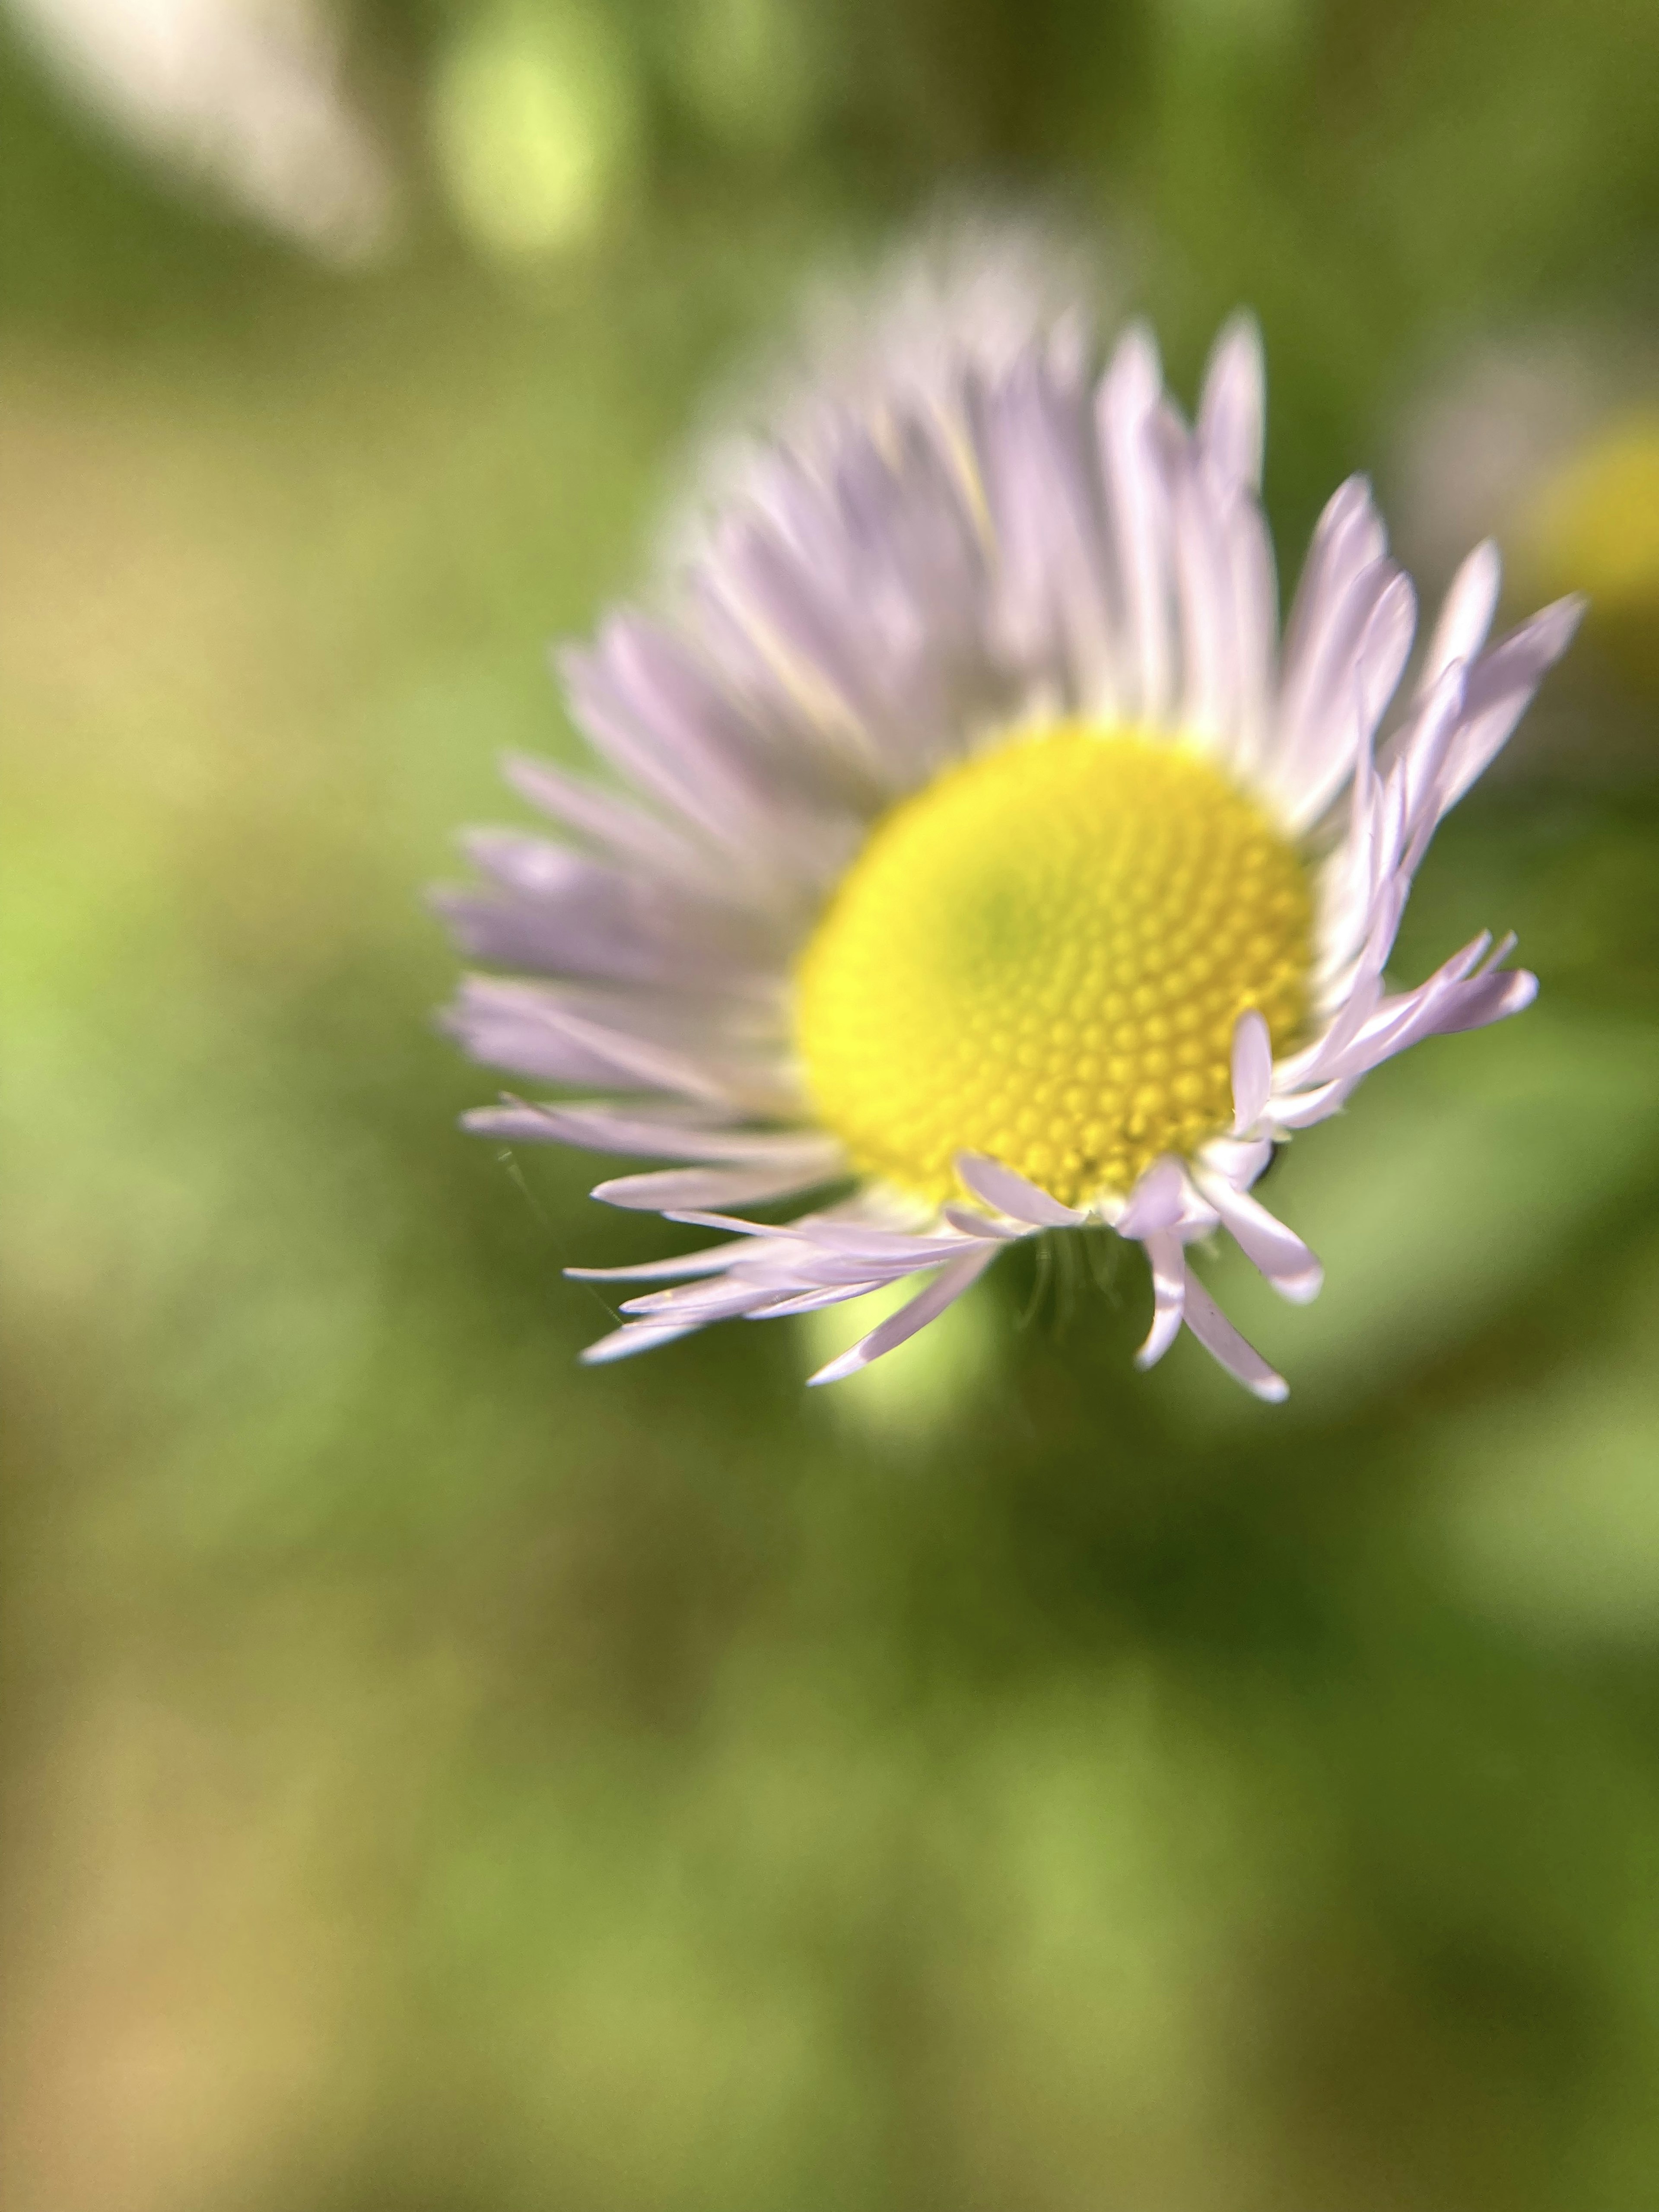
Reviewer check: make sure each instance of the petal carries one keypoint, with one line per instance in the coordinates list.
(1465, 614)
(1364, 655)
(1264, 1241)
(1167, 1259)
(972, 1223)
(697, 1304)
(1156, 1201)
(1034, 443)
(627, 831)
(945, 1288)
(623, 1039)
(680, 1189)
(1232, 412)
(1223, 1342)
(598, 1129)
(1137, 504)
(1010, 1194)
(1486, 999)
(1209, 659)
(633, 1336)
(1253, 1070)
(713, 1261)
(1500, 688)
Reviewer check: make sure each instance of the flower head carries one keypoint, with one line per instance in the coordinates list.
(983, 847)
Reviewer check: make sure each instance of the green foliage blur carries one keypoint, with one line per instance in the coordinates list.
(441, 1779)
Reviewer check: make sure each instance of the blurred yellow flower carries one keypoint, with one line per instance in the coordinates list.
(1596, 519)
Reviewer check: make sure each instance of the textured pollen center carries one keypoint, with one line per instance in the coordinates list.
(1041, 955)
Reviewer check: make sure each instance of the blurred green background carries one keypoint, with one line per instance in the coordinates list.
(440, 1779)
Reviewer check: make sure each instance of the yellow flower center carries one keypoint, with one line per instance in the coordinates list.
(1041, 955)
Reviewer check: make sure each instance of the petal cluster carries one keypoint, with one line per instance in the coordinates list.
(1023, 538)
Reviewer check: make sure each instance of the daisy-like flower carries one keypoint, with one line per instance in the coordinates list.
(982, 846)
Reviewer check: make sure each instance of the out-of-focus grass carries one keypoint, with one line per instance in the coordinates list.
(439, 1778)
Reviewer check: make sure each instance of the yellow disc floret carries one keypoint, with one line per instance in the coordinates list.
(1043, 956)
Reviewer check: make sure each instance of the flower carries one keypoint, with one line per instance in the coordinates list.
(988, 848)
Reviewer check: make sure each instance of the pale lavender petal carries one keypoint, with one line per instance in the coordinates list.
(1256, 626)
(714, 1260)
(1241, 1161)
(1034, 444)
(513, 1026)
(816, 1301)
(562, 913)
(621, 1041)
(1253, 1070)
(886, 1254)
(1167, 1259)
(627, 830)
(697, 1304)
(1486, 999)
(1302, 1109)
(1224, 1343)
(632, 1337)
(1347, 700)
(861, 587)
(945, 1288)
(1137, 499)
(1348, 538)
(660, 717)
(1264, 1241)
(1465, 614)
(1499, 688)
(972, 1223)
(1232, 412)
(1209, 692)
(1414, 763)
(1156, 1201)
(1012, 1194)
(660, 1135)
(520, 1121)
(1398, 1021)
(680, 1189)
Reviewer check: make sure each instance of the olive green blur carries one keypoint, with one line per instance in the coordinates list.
(440, 1778)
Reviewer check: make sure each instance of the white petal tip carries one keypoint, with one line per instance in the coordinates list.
(1569, 613)
(618, 1192)
(624, 1343)
(1274, 1391)
(837, 1370)
(1301, 1290)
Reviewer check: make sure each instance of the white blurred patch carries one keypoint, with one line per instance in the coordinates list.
(1479, 440)
(973, 286)
(538, 124)
(242, 95)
